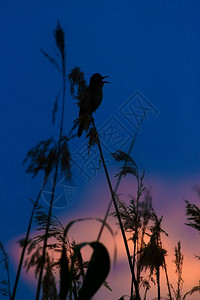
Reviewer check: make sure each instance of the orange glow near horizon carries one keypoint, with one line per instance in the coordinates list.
(173, 223)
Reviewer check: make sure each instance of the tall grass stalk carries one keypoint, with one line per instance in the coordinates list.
(59, 36)
(108, 211)
(136, 232)
(6, 267)
(167, 279)
(26, 240)
(117, 212)
(115, 191)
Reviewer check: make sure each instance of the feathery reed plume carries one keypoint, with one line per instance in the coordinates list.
(6, 289)
(59, 38)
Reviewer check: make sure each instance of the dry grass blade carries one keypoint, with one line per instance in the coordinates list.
(51, 59)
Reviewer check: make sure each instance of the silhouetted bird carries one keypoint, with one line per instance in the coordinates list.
(91, 100)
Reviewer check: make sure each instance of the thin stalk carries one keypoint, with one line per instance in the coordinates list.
(133, 269)
(54, 182)
(145, 294)
(158, 239)
(136, 233)
(158, 281)
(167, 279)
(9, 285)
(141, 246)
(115, 191)
(26, 241)
(117, 211)
(46, 235)
(75, 291)
(5, 259)
(144, 227)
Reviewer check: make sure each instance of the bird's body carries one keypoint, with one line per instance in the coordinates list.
(91, 101)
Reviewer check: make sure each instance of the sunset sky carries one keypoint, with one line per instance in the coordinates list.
(151, 52)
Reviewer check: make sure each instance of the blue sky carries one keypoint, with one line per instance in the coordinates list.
(149, 47)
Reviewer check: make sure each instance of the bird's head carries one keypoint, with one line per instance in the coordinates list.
(97, 80)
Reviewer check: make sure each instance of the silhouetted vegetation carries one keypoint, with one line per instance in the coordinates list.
(70, 277)
(178, 261)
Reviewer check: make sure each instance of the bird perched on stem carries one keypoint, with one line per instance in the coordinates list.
(90, 101)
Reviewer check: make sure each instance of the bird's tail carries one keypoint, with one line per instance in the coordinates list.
(80, 130)
(84, 123)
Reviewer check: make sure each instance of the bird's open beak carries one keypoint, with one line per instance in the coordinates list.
(104, 81)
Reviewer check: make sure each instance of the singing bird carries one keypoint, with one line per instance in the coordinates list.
(91, 101)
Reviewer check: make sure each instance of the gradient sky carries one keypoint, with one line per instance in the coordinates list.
(151, 52)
